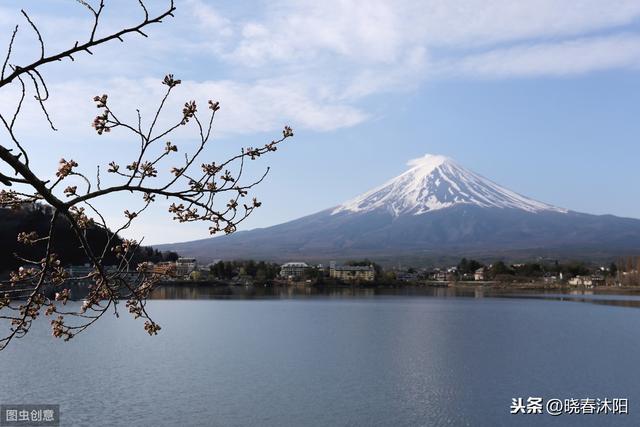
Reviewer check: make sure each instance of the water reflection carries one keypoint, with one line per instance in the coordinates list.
(598, 299)
(274, 292)
(342, 356)
(181, 292)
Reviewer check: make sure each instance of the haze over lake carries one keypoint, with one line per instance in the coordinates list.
(332, 360)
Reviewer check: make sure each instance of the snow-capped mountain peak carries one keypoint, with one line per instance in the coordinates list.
(436, 182)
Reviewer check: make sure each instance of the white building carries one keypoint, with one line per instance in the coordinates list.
(293, 270)
(587, 281)
(185, 266)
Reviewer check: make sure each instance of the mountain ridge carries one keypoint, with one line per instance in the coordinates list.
(437, 182)
(435, 208)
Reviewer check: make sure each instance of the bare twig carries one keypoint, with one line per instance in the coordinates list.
(193, 194)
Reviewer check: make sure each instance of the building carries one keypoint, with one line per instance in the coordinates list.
(480, 274)
(80, 275)
(85, 275)
(185, 266)
(293, 270)
(581, 281)
(598, 280)
(587, 281)
(164, 268)
(77, 271)
(443, 276)
(349, 273)
(405, 276)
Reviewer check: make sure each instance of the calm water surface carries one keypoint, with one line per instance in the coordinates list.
(339, 359)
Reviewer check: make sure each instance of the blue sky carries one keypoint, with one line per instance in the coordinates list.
(540, 96)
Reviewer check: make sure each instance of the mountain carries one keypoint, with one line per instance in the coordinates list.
(437, 182)
(435, 209)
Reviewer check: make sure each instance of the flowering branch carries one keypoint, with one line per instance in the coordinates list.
(193, 194)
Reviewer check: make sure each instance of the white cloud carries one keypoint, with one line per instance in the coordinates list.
(294, 30)
(381, 30)
(247, 108)
(483, 22)
(551, 59)
(264, 105)
(352, 51)
(313, 64)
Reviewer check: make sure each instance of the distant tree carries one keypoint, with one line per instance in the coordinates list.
(261, 274)
(192, 187)
(230, 270)
(555, 267)
(576, 269)
(613, 269)
(466, 266)
(388, 276)
(250, 268)
(259, 270)
(169, 256)
(500, 269)
(530, 270)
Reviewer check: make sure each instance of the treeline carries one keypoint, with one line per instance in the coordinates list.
(259, 270)
(37, 217)
(500, 269)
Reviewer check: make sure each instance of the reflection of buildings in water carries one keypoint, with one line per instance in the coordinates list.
(168, 291)
(580, 292)
(292, 291)
(367, 292)
(173, 292)
(446, 292)
(347, 292)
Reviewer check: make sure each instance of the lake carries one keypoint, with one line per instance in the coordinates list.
(339, 358)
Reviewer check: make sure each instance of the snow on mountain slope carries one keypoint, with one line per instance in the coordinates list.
(436, 182)
(435, 209)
